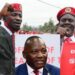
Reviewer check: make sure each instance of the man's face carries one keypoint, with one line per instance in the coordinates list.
(14, 20)
(69, 29)
(67, 21)
(36, 54)
(61, 30)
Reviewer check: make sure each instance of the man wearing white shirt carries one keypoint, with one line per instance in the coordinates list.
(35, 53)
(11, 14)
(31, 71)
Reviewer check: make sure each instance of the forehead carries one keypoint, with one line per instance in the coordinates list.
(68, 16)
(36, 43)
(17, 12)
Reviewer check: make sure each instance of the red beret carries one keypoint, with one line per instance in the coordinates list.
(16, 6)
(65, 10)
(10, 7)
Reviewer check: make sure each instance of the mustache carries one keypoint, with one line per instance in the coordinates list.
(66, 25)
(17, 21)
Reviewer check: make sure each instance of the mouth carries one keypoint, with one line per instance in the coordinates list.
(39, 62)
(66, 25)
(17, 23)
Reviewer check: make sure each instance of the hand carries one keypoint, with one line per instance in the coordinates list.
(4, 11)
(61, 31)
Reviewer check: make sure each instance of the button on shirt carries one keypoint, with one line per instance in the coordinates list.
(31, 71)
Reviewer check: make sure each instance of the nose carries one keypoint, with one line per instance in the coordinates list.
(39, 54)
(67, 21)
(18, 17)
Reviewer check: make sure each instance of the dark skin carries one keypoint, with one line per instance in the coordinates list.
(14, 20)
(67, 22)
(35, 53)
(67, 19)
(69, 30)
(12, 17)
(60, 30)
(65, 31)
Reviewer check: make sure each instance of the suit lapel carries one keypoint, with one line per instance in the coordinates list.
(4, 32)
(48, 70)
(25, 71)
(45, 71)
(9, 39)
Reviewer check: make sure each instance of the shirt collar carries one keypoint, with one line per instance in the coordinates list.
(30, 70)
(73, 38)
(7, 29)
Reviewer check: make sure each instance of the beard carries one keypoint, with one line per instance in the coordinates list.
(14, 26)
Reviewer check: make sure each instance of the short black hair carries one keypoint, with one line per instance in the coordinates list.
(27, 43)
(32, 37)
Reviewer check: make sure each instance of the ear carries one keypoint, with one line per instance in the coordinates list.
(24, 54)
(5, 18)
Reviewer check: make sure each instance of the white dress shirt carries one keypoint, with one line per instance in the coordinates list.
(73, 38)
(30, 70)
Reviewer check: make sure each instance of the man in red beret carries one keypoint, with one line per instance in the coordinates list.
(66, 18)
(11, 14)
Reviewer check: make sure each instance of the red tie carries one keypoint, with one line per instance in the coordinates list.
(36, 72)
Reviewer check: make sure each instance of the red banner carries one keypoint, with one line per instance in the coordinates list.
(67, 65)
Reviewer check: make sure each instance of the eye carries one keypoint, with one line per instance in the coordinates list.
(70, 20)
(34, 51)
(20, 15)
(16, 14)
(43, 51)
(13, 14)
(63, 20)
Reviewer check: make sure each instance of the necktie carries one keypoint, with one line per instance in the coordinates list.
(13, 52)
(13, 41)
(36, 72)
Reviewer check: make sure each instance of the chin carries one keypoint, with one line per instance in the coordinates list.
(68, 35)
(16, 29)
(39, 66)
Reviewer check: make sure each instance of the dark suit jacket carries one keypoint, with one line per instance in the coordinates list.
(48, 69)
(6, 53)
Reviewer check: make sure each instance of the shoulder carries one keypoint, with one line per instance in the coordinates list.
(2, 31)
(53, 69)
(1, 28)
(21, 69)
(51, 66)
